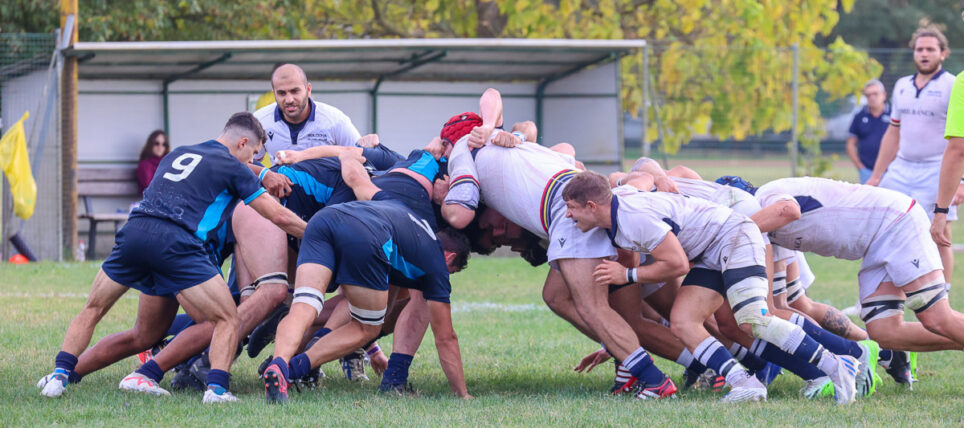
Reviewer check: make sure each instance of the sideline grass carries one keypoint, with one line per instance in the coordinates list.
(517, 358)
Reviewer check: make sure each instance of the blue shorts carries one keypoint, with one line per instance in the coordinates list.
(351, 249)
(158, 258)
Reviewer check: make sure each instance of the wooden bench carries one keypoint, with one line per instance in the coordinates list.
(104, 182)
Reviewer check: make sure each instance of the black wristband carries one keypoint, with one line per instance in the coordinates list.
(939, 210)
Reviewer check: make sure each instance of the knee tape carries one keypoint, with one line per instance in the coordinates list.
(249, 290)
(795, 290)
(779, 332)
(748, 300)
(779, 283)
(310, 297)
(921, 300)
(367, 316)
(884, 306)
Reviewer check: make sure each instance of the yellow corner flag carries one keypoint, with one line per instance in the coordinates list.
(15, 163)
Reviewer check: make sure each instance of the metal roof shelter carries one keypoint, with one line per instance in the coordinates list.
(541, 61)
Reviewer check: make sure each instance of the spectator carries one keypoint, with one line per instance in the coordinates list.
(155, 148)
(867, 129)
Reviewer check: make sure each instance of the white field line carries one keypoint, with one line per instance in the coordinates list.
(456, 307)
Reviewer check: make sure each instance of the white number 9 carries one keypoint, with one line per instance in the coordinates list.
(184, 163)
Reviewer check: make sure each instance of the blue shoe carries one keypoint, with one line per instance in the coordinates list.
(768, 373)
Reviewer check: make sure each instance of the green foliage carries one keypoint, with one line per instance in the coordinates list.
(721, 67)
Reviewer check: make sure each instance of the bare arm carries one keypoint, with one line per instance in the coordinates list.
(270, 209)
(457, 215)
(671, 262)
(888, 151)
(356, 177)
(447, 344)
(288, 157)
(777, 215)
(276, 184)
(490, 108)
(952, 166)
(852, 152)
(683, 172)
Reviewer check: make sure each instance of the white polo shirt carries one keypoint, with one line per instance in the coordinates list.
(921, 115)
(325, 126)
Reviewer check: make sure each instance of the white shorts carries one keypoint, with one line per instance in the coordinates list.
(746, 205)
(806, 275)
(566, 241)
(739, 245)
(783, 254)
(901, 254)
(918, 180)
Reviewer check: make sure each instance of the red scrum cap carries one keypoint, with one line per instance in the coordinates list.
(459, 126)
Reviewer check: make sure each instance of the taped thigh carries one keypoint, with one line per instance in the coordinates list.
(921, 300)
(367, 316)
(748, 300)
(795, 290)
(310, 297)
(270, 278)
(882, 306)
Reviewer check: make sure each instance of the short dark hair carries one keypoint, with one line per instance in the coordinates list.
(246, 122)
(587, 186)
(929, 30)
(456, 242)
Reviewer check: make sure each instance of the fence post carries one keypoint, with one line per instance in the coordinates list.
(643, 108)
(794, 136)
(68, 117)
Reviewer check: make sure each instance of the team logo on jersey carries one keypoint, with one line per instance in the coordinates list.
(915, 262)
(562, 242)
(725, 258)
(270, 135)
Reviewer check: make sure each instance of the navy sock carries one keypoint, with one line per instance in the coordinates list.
(749, 360)
(283, 366)
(219, 378)
(885, 356)
(712, 354)
(322, 332)
(299, 365)
(153, 371)
(640, 364)
(397, 371)
(832, 342)
(65, 361)
(775, 355)
(73, 377)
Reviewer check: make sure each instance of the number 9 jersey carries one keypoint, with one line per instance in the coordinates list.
(197, 187)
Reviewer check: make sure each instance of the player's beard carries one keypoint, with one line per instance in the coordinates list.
(301, 109)
(931, 69)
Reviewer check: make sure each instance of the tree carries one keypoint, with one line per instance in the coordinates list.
(722, 67)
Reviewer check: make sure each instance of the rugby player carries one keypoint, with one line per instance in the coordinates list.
(671, 229)
(888, 231)
(916, 133)
(359, 246)
(167, 250)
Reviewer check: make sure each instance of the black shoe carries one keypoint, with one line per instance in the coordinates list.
(263, 334)
(264, 365)
(200, 368)
(900, 368)
(184, 380)
(310, 380)
(275, 385)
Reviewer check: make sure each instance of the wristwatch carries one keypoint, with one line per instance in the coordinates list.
(939, 210)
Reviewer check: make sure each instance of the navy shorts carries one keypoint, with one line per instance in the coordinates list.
(353, 250)
(706, 278)
(158, 258)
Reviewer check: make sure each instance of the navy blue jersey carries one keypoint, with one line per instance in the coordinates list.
(380, 157)
(424, 164)
(413, 250)
(197, 187)
(315, 182)
(869, 130)
(409, 192)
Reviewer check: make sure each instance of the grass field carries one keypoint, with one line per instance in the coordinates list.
(517, 355)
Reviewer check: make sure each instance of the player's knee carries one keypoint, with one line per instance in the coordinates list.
(729, 328)
(748, 300)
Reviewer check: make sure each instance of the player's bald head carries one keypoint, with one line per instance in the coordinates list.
(288, 73)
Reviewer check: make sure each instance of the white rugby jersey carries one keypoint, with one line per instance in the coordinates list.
(921, 115)
(727, 196)
(521, 183)
(640, 220)
(325, 126)
(838, 219)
